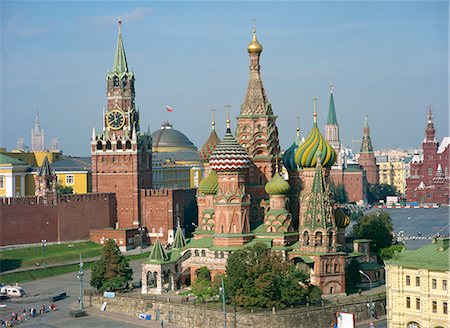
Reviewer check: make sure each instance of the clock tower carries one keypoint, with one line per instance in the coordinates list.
(121, 155)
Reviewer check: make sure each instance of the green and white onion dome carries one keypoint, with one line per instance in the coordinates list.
(229, 156)
(210, 184)
(306, 154)
(277, 185)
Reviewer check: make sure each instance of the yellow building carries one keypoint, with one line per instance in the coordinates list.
(15, 177)
(74, 172)
(417, 287)
(393, 173)
(34, 159)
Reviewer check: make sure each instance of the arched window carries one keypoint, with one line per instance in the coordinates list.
(203, 253)
(99, 145)
(330, 238)
(222, 255)
(412, 325)
(318, 239)
(216, 255)
(430, 171)
(108, 145)
(128, 144)
(305, 238)
(196, 252)
(116, 81)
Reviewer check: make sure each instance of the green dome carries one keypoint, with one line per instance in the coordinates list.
(306, 154)
(277, 185)
(209, 185)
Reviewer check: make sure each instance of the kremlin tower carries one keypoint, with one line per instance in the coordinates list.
(366, 156)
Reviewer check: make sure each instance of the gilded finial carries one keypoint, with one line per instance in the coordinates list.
(298, 126)
(315, 110)
(227, 108)
(331, 87)
(213, 124)
(254, 47)
(120, 24)
(276, 165)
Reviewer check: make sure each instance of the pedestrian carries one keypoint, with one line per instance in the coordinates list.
(162, 323)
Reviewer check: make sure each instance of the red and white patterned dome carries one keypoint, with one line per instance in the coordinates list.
(229, 156)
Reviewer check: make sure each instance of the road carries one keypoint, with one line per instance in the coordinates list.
(37, 293)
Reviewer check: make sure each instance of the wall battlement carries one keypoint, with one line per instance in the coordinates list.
(155, 192)
(37, 200)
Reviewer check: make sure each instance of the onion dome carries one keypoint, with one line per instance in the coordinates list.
(342, 220)
(210, 144)
(254, 47)
(277, 185)
(210, 184)
(229, 156)
(289, 154)
(306, 154)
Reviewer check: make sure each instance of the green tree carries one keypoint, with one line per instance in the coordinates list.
(258, 278)
(60, 190)
(341, 194)
(203, 287)
(388, 252)
(352, 275)
(376, 226)
(112, 272)
(377, 192)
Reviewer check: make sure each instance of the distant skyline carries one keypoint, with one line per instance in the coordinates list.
(387, 59)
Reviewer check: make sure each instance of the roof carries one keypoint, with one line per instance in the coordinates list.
(432, 257)
(369, 266)
(168, 139)
(443, 145)
(72, 164)
(177, 156)
(179, 241)
(158, 253)
(120, 60)
(11, 160)
(331, 118)
(45, 168)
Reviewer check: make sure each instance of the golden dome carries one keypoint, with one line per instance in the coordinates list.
(254, 47)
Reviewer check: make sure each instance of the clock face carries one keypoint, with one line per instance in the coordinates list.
(115, 119)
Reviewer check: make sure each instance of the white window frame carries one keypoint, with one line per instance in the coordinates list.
(70, 179)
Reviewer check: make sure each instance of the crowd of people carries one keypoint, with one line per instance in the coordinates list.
(16, 318)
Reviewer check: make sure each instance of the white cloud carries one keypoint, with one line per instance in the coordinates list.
(133, 16)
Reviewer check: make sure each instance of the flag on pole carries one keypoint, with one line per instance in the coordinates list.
(169, 109)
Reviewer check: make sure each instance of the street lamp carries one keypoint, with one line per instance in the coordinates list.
(80, 275)
(370, 290)
(222, 290)
(44, 243)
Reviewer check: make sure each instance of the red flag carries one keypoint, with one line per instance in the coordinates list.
(169, 109)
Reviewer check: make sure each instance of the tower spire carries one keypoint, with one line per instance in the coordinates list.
(120, 60)
(430, 131)
(366, 145)
(331, 118)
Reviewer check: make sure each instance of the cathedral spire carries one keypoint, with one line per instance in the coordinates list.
(366, 144)
(120, 60)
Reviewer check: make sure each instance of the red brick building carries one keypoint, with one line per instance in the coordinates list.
(429, 180)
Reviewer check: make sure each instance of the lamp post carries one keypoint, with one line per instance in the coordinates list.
(222, 290)
(44, 243)
(141, 234)
(80, 275)
(370, 300)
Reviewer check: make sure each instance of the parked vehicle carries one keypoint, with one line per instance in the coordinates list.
(12, 291)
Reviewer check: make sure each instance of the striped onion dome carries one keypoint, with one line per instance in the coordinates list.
(209, 185)
(306, 154)
(277, 185)
(342, 220)
(289, 154)
(209, 146)
(229, 156)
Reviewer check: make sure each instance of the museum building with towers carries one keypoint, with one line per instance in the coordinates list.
(244, 200)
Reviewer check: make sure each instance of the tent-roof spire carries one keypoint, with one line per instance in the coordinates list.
(120, 60)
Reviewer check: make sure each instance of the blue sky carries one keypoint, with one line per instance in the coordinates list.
(386, 59)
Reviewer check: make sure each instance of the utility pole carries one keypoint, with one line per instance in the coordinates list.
(222, 290)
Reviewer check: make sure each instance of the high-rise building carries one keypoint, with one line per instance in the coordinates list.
(37, 136)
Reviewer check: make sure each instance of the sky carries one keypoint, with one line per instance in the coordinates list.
(386, 59)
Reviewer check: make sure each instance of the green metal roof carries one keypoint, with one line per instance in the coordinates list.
(431, 257)
(158, 253)
(45, 168)
(331, 118)
(120, 60)
(369, 266)
(179, 241)
(11, 160)
(204, 242)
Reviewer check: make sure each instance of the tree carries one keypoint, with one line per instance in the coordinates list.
(352, 275)
(60, 190)
(377, 192)
(388, 252)
(203, 287)
(258, 278)
(376, 226)
(341, 194)
(112, 272)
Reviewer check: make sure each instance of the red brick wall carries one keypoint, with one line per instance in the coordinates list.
(27, 220)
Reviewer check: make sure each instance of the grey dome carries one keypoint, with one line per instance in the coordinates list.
(168, 139)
